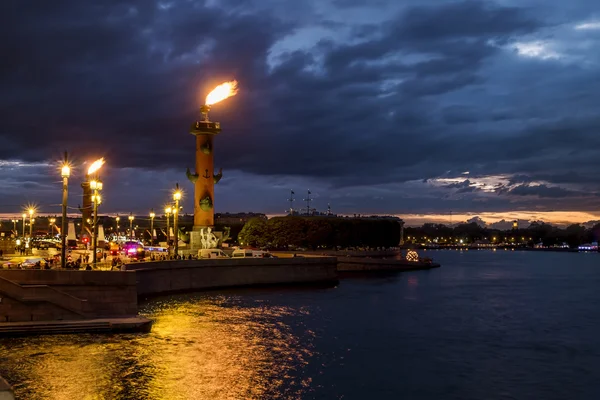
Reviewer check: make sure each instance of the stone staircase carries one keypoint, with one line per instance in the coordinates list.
(57, 327)
(31, 294)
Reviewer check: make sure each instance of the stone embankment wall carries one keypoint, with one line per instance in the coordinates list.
(46, 295)
(50, 295)
(160, 277)
(348, 264)
(340, 253)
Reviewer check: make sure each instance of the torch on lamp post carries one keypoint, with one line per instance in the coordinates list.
(152, 215)
(176, 197)
(130, 226)
(96, 186)
(167, 214)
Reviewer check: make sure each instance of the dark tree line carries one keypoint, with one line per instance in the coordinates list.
(315, 232)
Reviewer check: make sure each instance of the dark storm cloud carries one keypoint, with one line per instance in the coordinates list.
(459, 115)
(464, 19)
(543, 191)
(465, 186)
(558, 178)
(429, 88)
(370, 126)
(121, 76)
(119, 70)
(357, 3)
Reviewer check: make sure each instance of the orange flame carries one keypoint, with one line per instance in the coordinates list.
(96, 165)
(221, 92)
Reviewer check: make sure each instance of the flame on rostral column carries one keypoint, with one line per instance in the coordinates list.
(96, 165)
(221, 92)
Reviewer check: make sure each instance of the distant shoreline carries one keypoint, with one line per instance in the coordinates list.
(505, 248)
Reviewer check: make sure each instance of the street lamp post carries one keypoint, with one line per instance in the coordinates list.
(96, 186)
(31, 211)
(14, 221)
(152, 215)
(117, 219)
(65, 172)
(130, 226)
(52, 221)
(168, 213)
(176, 197)
(24, 216)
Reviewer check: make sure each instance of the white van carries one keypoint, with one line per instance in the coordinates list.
(211, 253)
(242, 253)
(247, 253)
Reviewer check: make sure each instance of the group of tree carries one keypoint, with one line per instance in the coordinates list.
(319, 232)
(536, 233)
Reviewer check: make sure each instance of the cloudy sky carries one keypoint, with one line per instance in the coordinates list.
(410, 107)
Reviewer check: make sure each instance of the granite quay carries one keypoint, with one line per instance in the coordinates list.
(161, 277)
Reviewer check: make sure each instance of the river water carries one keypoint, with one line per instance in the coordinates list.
(486, 325)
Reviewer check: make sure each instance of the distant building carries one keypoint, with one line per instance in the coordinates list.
(484, 243)
(313, 213)
(589, 247)
(238, 218)
(389, 217)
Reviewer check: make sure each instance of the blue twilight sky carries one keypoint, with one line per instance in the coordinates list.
(425, 107)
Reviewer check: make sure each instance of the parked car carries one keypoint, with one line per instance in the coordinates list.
(114, 249)
(32, 262)
(45, 244)
(12, 263)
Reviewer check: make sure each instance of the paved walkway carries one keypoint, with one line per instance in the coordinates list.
(102, 264)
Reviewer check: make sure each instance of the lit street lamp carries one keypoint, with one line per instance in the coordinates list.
(176, 197)
(96, 186)
(52, 221)
(152, 215)
(117, 219)
(65, 172)
(130, 226)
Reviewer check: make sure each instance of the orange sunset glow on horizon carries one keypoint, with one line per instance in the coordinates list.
(550, 217)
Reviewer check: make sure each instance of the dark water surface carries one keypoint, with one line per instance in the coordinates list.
(487, 325)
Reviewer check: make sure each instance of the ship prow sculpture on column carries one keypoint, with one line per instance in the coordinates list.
(71, 236)
(204, 177)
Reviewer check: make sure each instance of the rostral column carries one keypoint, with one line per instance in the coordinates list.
(204, 178)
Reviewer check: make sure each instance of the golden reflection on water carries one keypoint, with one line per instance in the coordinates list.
(202, 348)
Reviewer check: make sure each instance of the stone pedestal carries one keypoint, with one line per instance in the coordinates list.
(196, 238)
(195, 241)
